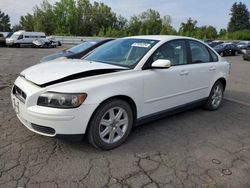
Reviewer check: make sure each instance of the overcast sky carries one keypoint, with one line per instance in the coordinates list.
(206, 12)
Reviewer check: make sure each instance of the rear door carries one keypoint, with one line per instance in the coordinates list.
(201, 70)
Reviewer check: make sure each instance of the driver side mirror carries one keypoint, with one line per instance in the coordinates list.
(161, 64)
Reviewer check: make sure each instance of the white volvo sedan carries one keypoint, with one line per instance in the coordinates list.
(122, 83)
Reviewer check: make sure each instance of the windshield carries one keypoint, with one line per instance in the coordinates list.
(122, 52)
(15, 36)
(81, 47)
(9, 34)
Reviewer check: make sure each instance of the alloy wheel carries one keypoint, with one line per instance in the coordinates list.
(217, 96)
(113, 125)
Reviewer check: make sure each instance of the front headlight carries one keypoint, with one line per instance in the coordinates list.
(61, 100)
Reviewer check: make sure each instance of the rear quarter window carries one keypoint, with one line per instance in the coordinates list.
(214, 57)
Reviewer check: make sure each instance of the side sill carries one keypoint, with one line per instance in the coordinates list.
(169, 112)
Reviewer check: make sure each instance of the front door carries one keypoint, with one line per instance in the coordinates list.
(166, 88)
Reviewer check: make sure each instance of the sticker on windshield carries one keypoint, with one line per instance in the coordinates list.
(142, 45)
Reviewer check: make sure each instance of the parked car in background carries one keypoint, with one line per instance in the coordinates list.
(226, 49)
(54, 40)
(4, 36)
(235, 42)
(244, 49)
(44, 43)
(246, 54)
(78, 51)
(122, 83)
(242, 45)
(9, 35)
(215, 43)
(208, 41)
(20, 38)
(2, 39)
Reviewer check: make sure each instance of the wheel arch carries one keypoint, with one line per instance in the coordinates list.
(125, 98)
(223, 81)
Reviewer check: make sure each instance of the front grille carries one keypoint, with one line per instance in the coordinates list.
(20, 94)
(43, 129)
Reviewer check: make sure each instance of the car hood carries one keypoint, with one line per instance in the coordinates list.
(56, 55)
(52, 72)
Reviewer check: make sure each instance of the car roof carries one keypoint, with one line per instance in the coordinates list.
(160, 37)
(97, 40)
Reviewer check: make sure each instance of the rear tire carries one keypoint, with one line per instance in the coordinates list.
(215, 97)
(236, 53)
(221, 54)
(110, 125)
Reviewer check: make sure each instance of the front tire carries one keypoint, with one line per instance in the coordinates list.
(110, 125)
(215, 98)
(221, 54)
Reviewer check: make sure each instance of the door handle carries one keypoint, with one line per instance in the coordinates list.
(212, 68)
(183, 73)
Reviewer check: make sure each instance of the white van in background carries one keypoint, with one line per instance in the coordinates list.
(24, 38)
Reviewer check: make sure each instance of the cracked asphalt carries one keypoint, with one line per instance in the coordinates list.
(196, 148)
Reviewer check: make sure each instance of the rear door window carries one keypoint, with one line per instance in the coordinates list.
(199, 52)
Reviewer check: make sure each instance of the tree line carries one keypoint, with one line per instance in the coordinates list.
(82, 18)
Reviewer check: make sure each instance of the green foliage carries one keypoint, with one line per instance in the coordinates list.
(4, 22)
(44, 18)
(66, 17)
(134, 26)
(239, 18)
(83, 18)
(16, 28)
(167, 28)
(147, 23)
(206, 32)
(222, 32)
(238, 35)
(80, 17)
(151, 22)
(112, 32)
(27, 22)
(188, 28)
